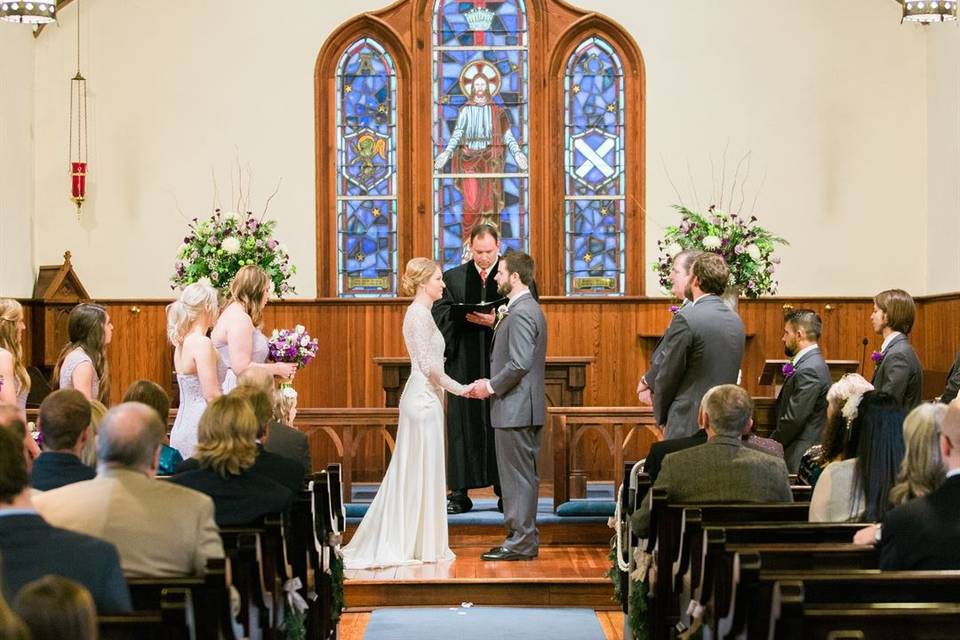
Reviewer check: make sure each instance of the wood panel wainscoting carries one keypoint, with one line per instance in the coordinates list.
(352, 333)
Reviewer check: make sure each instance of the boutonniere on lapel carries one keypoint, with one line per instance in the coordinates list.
(501, 314)
(788, 370)
(674, 308)
(877, 357)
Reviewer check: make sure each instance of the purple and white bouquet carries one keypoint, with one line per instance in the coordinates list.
(746, 247)
(292, 345)
(216, 248)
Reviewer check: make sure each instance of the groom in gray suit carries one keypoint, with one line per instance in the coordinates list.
(517, 404)
(701, 349)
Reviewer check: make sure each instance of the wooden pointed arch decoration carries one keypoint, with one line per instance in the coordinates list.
(554, 30)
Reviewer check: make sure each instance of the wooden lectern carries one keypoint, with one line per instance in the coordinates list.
(773, 372)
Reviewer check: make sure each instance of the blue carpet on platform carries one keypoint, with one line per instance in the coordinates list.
(596, 507)
(484, 623)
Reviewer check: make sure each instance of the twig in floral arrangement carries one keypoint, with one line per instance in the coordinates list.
(723, 174)
(266, 204)
(216, 191)
(733, 185)
(696, 197)
(670, 179)
(757, 196)
(743, 185)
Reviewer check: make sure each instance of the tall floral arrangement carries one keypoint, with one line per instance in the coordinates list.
(746, 246)
(216, 248)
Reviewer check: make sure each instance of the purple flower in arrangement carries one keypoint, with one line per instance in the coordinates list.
(739, 249)
(877, 357)
(788, 370)
(272, 244)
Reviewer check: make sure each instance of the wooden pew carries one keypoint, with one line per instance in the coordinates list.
(329, 520)
(173, 621)
(915, 605)
(209, 595)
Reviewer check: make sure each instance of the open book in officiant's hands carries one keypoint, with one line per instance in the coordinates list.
(460, 310)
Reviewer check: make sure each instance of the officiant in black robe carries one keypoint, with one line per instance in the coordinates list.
(471, 455)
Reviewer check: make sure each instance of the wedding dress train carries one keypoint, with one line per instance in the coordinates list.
(407, 521)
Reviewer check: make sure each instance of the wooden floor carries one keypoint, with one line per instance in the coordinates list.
(354, 625)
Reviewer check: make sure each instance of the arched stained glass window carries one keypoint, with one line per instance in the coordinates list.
(480, 129)
(594, 170)
(366, 171)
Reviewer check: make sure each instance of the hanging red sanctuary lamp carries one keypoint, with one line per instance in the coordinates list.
(78, 131)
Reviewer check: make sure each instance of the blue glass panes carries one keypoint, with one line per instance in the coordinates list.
(594, 169)
(480, 100)
(366, 171)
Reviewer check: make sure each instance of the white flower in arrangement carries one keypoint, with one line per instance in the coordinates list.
(183, 250)
(300, 328)
(304, 341)
(711, 242)
(288, 392)
(231, 244)
(232, 215)
(754, 251)
(275, 334)
(673, 249)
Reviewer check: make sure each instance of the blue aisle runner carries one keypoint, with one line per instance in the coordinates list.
(484, 623)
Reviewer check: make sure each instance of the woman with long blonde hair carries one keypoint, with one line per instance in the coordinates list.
(200, 372)
(237, 335)
(14, 381)
(82, 364)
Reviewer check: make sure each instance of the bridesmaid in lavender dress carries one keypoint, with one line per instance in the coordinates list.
(200, 372)
(237, 334)
(14, 381)
(82, 364)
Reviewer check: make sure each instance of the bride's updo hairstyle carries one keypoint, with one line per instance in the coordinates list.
(181, 314)
(250, 288)
(418, 271)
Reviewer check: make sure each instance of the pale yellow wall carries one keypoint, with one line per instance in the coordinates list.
(16, 160)
(943, 100)
(182, 89)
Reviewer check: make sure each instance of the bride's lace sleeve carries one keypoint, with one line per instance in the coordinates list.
(418, 327)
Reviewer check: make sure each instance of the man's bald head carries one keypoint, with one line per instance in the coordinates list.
(129, 436)
(258, 378)
(950, 436)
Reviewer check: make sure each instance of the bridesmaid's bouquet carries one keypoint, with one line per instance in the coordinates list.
(292, 345)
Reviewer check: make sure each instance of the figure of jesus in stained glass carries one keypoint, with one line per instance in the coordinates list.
(477, 146)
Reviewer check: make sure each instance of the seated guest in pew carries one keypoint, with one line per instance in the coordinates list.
(160, 529)
(282, 438)
(921, 472)
(11, 626)
(924, 534)
(802, 402)
(835, 428)
(64, 419)
(858, 487)
(723, 469)
(31, 548)
(226, 451)
(898, 369)
(11, 420)
(285, 471)
(153, 395)
(56, 608)
(953, 382)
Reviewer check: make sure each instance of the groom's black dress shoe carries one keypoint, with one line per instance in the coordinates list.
(500, 553)
(458, 503)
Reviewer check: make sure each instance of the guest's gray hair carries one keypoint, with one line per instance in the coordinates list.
(129, 436)
(729, 408)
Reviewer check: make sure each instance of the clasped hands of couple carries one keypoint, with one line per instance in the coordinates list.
(478, 389)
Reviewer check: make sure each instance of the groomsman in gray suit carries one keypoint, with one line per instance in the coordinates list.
(679, 275)
(517, 405)
(802, 403)
(702, 349)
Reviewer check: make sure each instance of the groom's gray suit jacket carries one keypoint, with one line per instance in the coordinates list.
(517, 364)
(702, 349)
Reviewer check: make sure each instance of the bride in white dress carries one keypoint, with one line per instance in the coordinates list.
(407, 521)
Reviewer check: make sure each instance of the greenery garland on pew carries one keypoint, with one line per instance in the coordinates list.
(336, 586)
(637, 606)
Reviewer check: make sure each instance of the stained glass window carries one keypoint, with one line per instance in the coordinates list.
(366, 171)
(480, 97)
(594, 170)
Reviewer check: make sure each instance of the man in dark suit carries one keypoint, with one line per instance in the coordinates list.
(802, 402)
(924, 533)
(723, 469)
(471, 451)
(898, 369)
(63, 420)
(679, 275)
(31, 548)
(518, 406)
(282, 439)
(953, 382)
(702, 349)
